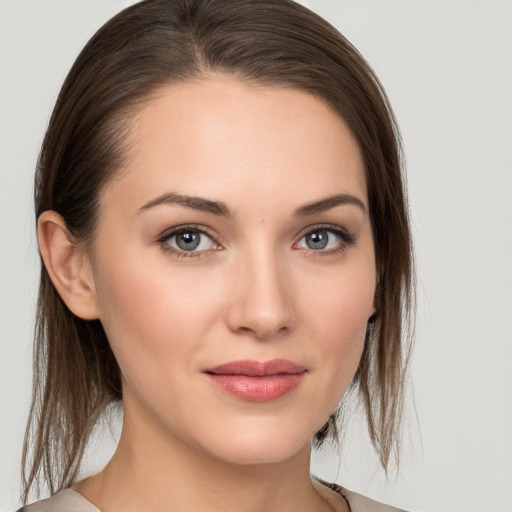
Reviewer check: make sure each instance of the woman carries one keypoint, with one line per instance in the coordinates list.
(226, 249)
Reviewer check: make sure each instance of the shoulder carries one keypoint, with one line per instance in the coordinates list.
(358, 502)
(67, 500)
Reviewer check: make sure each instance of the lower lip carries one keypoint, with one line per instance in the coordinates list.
(258, 389)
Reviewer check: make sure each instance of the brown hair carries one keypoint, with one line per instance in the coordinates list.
(159, 42)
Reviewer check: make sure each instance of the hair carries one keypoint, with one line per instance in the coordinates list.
(145, 47)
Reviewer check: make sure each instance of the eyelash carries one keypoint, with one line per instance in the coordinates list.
(164, 238)
(347, 240)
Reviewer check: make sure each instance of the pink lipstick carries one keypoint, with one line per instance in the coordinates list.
(257, 381)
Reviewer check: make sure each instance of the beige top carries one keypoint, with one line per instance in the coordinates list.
(69, 500)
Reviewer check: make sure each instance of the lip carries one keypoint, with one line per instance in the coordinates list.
(257, 381)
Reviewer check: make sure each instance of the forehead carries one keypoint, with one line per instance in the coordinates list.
(227, 139)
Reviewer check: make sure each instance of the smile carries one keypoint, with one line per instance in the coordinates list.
(257, 381)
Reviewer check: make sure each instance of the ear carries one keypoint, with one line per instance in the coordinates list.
(67, 265)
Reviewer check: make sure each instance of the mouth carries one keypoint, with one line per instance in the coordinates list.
(257, 381)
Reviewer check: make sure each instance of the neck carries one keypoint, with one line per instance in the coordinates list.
(155, 472)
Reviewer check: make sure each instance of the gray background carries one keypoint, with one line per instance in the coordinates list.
(447, 67)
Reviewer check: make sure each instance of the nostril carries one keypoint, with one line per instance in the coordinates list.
(263, 332)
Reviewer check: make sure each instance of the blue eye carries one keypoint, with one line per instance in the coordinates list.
(325, 239)
(185, 239)
(319, 240)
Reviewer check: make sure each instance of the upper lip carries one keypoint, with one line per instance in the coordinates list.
(257, 368)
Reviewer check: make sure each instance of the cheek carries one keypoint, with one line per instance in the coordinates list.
(152, 314)
(339, 313)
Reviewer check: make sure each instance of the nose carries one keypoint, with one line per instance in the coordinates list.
(261, 303)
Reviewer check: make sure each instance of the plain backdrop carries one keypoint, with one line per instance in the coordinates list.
(447, 67)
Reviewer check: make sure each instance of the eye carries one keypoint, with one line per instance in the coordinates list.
(187, 241)
(325, 239)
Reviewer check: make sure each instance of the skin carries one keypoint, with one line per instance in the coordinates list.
(255, 290)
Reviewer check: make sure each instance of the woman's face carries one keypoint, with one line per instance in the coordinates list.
(233, 268)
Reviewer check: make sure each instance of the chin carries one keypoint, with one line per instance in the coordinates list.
(259, 444)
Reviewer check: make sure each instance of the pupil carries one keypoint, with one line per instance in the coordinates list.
(187, 241)
(317, 240)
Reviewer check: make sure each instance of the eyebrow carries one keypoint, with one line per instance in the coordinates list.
(219, 208)
(195, 203)
(328, 203)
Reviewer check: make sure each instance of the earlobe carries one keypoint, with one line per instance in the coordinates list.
(67, 266)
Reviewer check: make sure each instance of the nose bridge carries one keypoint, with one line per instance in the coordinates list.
(261, 302)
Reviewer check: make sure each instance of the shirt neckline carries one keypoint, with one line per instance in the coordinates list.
(333, 486)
